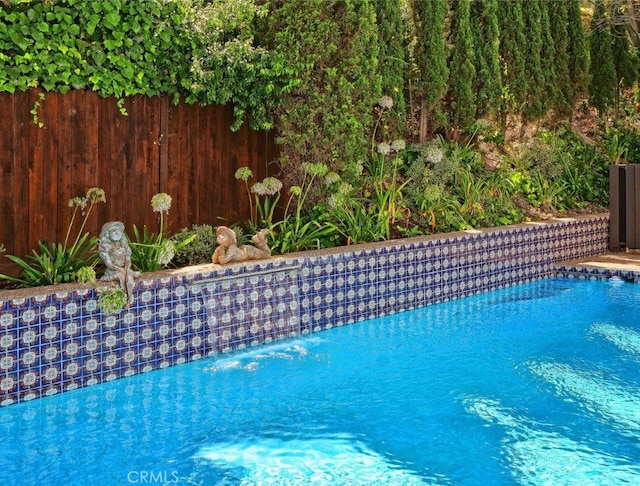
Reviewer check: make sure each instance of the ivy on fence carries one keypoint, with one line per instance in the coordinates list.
(117, 48)
(122, 48)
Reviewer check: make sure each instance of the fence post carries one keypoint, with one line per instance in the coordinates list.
(616, 206)
(624, 206)
(632, 179)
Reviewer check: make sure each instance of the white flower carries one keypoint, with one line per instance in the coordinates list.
(96, 194)
(317, 169)
(434, 155)
(259, 189)
(161, 203)
(243, 173)
(331, 178)
(268, 187)
(167, 252)
(78, 202)
(386, 102)
(359, 169)
(432, 192)
(384, 148)
(398, 145)
(345, 189)
(334, 201)
(483, 124)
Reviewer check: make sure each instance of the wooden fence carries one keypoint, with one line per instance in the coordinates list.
(55, 151)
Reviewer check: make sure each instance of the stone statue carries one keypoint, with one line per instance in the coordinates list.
(228, 250)
(116, 254)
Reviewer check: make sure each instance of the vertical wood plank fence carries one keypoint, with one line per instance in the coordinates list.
(84, 141)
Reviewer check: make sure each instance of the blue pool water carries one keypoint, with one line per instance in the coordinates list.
(536, 384)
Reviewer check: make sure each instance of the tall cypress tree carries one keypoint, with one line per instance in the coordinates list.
(548, 59)
(487, 82)
(512, 53)
(624, 60)
(460, 96)
(392, 58)
(558, 21)
(534, 102)
(430, 74)
(577, 51)
(603, 82)
(333, 44)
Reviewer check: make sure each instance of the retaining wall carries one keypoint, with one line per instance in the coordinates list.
(55, 339)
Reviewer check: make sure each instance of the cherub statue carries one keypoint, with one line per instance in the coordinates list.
(116, 254)
(228, 250)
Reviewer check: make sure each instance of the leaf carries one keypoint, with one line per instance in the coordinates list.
(39, 38)
(112, 44)
(111, 20)
(19, 40)
(94, 20)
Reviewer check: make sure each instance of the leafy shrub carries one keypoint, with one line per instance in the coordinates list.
(199, 250)
(53, 264)
(111, 300)
(627, 142)
(333, 47)
(584, 169)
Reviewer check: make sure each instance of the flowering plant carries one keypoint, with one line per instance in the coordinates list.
(154, 251)
(296, 232)
(266, 195)
(55, 263)
(269, 189)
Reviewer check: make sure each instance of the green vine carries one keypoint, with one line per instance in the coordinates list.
(121, 107)
(198, 50)
(34, 111)
(115, 47)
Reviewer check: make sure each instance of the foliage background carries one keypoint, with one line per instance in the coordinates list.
(393, 117)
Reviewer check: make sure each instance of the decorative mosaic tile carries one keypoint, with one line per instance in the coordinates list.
(61, 341)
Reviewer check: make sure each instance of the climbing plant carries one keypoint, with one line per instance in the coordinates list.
(115, 47)
(121, 48)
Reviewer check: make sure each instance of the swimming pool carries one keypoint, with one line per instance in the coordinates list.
(534, 384)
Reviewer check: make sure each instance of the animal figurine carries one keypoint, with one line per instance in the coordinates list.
(228, 250)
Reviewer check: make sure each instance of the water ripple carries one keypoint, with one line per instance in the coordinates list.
(334, 459)
(537, 456)
(617, 403)
(625, 339)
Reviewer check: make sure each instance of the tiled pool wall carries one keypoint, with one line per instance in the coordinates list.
(59, 340)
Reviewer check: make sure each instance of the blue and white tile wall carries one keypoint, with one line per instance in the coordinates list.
(61, 341)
